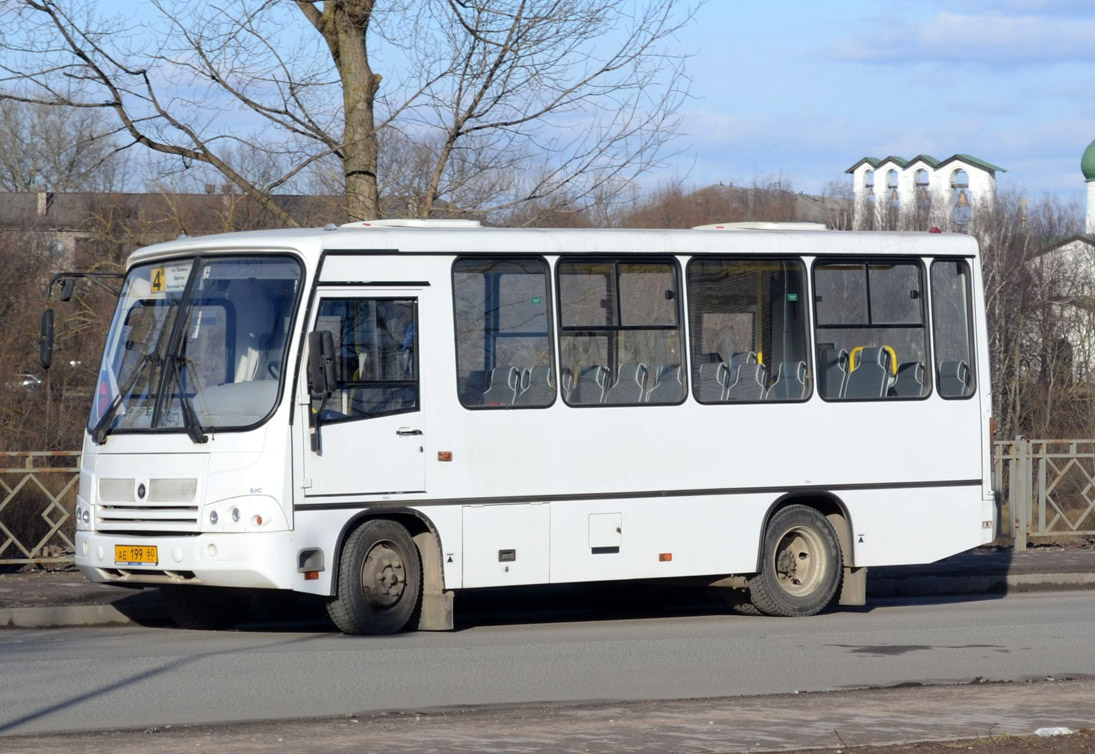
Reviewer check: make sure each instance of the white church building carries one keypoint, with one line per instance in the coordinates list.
(893, 192)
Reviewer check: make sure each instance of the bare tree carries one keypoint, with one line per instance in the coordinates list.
(839, 201)
(672, 205)
(56, 148)
(504, 101)
(1037, 301)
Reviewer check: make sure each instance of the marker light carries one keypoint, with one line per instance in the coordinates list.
(256, 520)
(87, 516)
(213, 517)
(236, 515)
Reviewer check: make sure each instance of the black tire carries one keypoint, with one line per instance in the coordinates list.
(801, 565)
(204, 608)
(379, 580)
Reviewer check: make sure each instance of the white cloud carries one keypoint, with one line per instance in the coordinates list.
(990, 38)
(1023, 7)
(811, 149)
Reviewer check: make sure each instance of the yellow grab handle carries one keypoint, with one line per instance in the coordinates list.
(856, 350)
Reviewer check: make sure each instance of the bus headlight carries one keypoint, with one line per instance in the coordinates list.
(82, 515)
(250, 513)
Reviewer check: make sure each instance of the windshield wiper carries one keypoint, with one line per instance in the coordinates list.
(194, 429)
(103, 426)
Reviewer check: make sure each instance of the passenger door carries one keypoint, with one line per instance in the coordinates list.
(371, 431)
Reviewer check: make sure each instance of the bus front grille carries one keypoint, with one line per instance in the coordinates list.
(165, 506)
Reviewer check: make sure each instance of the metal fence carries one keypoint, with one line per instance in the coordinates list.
(1048, 488)
(37, 499)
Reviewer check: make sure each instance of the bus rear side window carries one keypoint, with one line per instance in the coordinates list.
(952, 322)
(503, 333)
(871, 337)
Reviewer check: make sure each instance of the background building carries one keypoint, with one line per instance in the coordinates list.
(896, 193)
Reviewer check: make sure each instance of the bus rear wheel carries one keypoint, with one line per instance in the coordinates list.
(379, 580)
(800, 567)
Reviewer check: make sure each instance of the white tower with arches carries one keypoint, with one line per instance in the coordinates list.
(897, 193)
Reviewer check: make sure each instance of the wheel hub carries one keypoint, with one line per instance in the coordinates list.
(786, 565)
(800, 561)
(383, 577)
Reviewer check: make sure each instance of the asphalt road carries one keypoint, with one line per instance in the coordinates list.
(80, 679)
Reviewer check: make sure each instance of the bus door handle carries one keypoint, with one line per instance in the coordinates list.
(407, 432)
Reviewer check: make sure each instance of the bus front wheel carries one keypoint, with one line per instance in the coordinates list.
(800, 566)
(379, 580)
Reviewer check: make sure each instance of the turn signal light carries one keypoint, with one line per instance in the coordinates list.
(311, 575)
(665, 557)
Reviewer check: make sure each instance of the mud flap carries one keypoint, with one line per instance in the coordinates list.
(854, 588)
(437, 604)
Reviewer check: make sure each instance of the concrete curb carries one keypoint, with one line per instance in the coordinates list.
(154, 613)
(60, 616)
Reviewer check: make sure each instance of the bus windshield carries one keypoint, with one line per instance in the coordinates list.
(196, 345)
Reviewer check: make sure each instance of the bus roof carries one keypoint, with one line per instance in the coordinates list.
(467, 239)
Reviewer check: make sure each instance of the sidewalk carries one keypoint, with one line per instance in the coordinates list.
(814, 722)
(36, 599)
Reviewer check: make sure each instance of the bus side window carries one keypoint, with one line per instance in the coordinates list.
(503, 333)
(376, 365)
(870, 329)
(952, 323)
(748, 323)
(620, 333)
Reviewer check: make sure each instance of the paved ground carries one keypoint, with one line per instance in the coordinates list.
(833, 721)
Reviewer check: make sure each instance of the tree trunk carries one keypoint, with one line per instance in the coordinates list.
(359, 86)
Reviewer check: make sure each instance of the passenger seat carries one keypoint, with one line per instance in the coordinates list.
(630, 385)
(668, 386)
(790, 384)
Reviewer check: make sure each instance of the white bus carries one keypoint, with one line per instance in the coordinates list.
(385, 413)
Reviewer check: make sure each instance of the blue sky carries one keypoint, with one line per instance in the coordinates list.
(804, 89)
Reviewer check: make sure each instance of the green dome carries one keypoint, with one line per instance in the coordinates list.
(1087, 162)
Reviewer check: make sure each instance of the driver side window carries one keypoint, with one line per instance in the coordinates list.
(376, 360)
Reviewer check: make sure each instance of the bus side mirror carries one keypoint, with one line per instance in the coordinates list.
(321, 365)
(68, 285)
(45, 339)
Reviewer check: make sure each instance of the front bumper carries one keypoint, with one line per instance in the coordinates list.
(251, 560)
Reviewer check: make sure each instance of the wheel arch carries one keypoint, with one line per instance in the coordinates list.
(415, 522)
(824, 502)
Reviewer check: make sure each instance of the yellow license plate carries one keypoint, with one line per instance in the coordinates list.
(136, 555)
